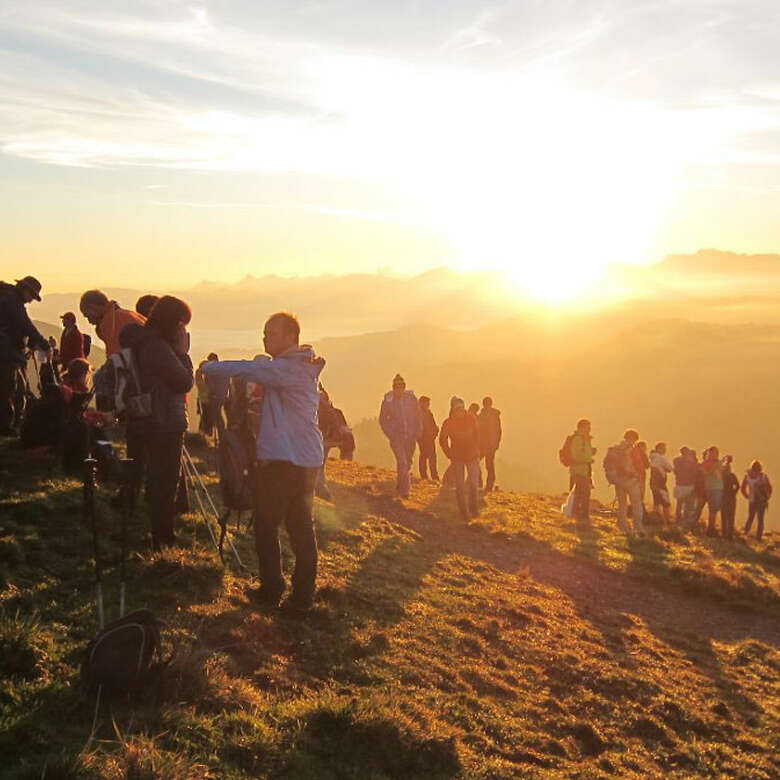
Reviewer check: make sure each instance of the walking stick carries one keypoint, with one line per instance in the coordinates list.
(127, 474)
(90, 517)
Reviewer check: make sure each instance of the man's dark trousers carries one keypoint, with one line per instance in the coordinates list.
(7, 392)
(428, 459)
(490, 466)
(165, 451)
(285, 494)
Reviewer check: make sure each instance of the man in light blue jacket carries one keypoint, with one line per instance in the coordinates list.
(289, 453)
(401, 421)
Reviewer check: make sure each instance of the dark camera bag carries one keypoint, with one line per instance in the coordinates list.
(125, 655)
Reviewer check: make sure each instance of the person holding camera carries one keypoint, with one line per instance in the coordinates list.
(289, 454)
(165, 373)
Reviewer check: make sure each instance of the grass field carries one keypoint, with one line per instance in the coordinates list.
(519, 645)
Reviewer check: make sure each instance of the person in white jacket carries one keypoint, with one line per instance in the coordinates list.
(660, 466)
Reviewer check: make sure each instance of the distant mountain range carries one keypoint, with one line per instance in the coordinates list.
(721, 285)
(693, 358)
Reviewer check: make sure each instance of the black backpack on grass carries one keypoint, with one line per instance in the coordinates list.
(124, 656)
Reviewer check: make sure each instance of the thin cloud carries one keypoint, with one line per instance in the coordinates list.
(313, 208)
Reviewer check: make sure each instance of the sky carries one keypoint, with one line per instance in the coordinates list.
(157, 144)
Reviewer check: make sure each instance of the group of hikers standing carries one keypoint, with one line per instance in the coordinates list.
(709, 482)
(465, 437)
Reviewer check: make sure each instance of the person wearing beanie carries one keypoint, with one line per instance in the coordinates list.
(459, 439)
(401, 421)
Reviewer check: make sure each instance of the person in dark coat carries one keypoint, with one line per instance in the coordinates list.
(160, 349)
(728, 510)
(427, 440)
(489, 439)
(16, 333)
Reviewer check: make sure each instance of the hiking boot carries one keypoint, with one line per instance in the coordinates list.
(263, 598)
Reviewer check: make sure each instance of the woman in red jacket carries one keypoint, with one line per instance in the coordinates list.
(71, 340)
(459, 438)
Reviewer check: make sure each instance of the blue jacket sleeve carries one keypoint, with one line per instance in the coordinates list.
(272, 373)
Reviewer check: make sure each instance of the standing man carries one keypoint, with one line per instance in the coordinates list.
(581, 469)
(489, 439)
(16, 333)
(621, 470)
(71, 340)
(401, 422)
(108, 318)
(459, 438)
(289, 454)
(427, 440)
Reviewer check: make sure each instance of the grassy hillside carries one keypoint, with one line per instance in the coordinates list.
(517, 645)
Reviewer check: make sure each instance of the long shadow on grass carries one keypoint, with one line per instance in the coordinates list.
(660, 605)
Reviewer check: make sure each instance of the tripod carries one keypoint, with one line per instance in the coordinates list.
(206, 507)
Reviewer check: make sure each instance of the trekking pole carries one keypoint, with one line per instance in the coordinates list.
(90, 517)
(127, 474)
(188, 459)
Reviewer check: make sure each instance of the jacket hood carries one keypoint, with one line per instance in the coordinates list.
(406, 394)
(133, 335)
(305, 355)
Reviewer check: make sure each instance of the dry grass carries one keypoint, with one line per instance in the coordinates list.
(516, 646)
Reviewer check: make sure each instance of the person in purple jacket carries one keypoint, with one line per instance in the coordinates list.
(401, 421)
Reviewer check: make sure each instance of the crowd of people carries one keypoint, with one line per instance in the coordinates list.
(708, 483)
(466, 437)
(148, 375)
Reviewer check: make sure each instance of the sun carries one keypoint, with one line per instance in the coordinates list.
(549, 186)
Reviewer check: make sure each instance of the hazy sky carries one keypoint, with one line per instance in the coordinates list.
(160, 143)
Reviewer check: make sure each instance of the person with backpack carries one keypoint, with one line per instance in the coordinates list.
(159, 353)
(71, 340)
(401, 421)
(459, 439)
(108, 318)
(17, 333)
(728, 510)
(577, 453)
(427, 441)
(757, 489)
(620, 468)
(489, 439)
(290, 455)
(659, 468)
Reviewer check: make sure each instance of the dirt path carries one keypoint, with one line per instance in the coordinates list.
(666, 609)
